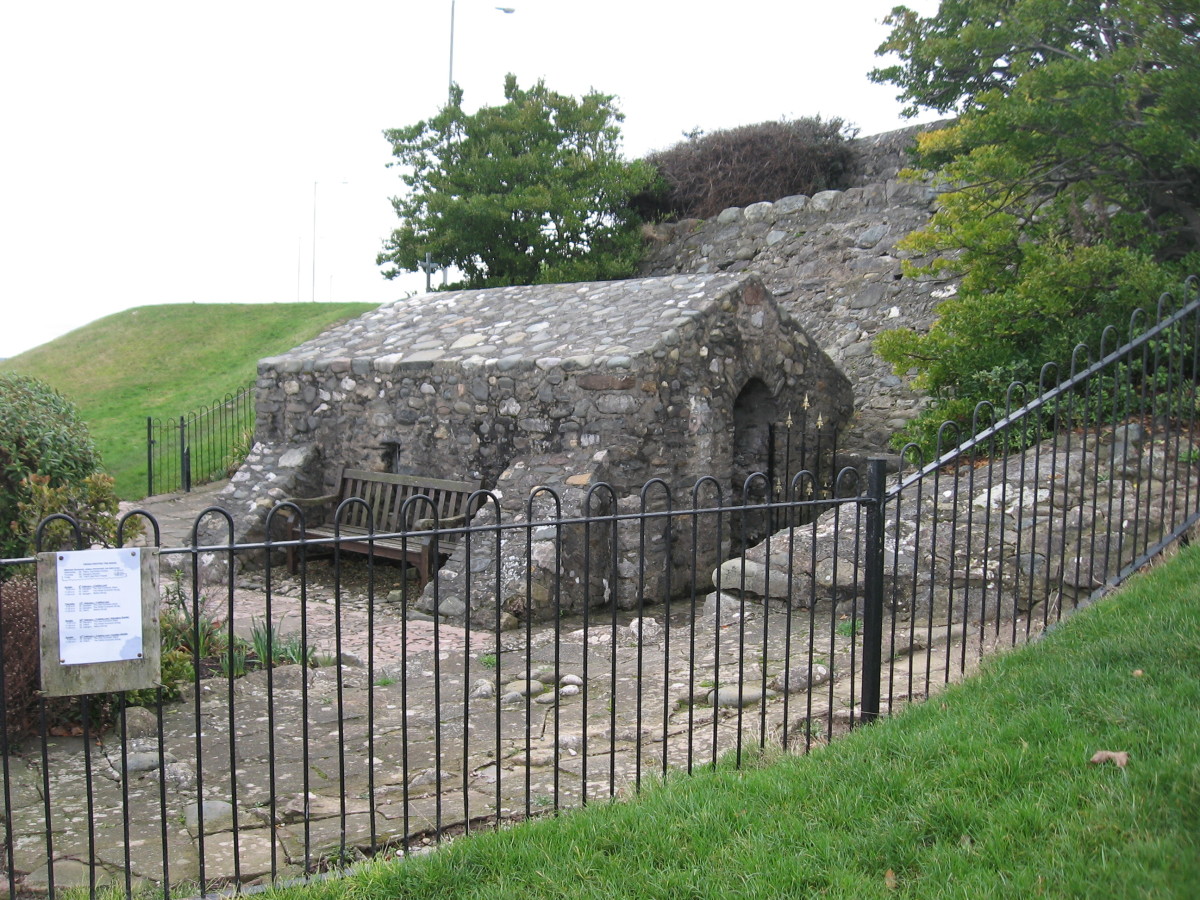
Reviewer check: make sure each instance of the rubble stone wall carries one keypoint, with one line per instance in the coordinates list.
(832, 262)
(462, 385)
(561, 386)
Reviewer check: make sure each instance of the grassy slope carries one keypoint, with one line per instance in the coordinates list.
(985, 791)
(165, 361)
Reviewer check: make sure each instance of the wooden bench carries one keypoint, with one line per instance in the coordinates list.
(385, 495)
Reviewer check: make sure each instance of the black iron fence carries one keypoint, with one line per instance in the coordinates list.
(314, 717)
(200, 446)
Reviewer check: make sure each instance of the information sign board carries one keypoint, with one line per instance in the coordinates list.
(98, 618)
(99, 606)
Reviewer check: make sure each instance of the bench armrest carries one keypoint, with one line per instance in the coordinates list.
(307, 502)
(447, 522)
(308, 506)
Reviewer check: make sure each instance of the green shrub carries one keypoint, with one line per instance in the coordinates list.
(234, 660)
(273, 648)
(193, 628)
(983, 340)
(739, 166)
(533, 191)
(177, 670)
(243, 443)
(92, 503)
(46, 460)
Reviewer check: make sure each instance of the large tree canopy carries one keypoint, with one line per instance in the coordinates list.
(1089, 105)
(969, 48)
(1073, 167)
(532, 191)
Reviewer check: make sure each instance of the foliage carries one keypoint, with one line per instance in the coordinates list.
(160, 361)
(268, 642)
(46, 459)
(530, 192)
(234, 661)
(738, 166)
(20, 657)
(1075, 174)
(983, 341)
(177, 670)
(92, 504)
(243, 443)
(264, 638)
(191, 627)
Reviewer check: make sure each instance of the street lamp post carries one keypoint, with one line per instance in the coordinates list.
(507, 10)
(450, 81)
(428, 265)
(314, 246)
(314, 241)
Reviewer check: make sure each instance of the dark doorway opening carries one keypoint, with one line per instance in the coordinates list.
(754, 414)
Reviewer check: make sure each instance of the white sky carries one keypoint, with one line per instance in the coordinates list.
(157, 152)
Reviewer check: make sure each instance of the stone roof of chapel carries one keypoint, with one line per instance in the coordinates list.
(589, 323)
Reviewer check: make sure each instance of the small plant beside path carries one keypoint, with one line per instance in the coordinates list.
(193, 631)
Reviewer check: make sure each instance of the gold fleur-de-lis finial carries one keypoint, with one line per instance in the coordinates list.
(820, 422)
(806, 403)
(788, 421)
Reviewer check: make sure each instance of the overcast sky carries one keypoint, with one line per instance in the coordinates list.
(157, 152)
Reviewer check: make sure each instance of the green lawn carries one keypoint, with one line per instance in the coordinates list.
(985, 791)
(165, 361)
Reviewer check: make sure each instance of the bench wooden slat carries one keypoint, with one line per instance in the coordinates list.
(385, 495)
(359, 540)
(376, 496)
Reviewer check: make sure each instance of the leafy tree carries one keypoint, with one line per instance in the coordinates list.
(1074, 168)
(48, 464)
(532, 191)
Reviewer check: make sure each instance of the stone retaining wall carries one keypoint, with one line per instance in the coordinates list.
(832, 262)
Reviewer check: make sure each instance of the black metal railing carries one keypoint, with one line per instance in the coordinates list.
(1044, 505)
(200, 446)
(801, 444)
(384, 728)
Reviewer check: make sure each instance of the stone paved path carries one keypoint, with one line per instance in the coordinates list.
(176, 513)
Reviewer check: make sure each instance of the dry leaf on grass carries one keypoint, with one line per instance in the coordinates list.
(889, 879)
(1119, 758)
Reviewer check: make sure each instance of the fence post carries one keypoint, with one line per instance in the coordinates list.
(149, 456)
(185, 456)
(774, 494)
(872, 651)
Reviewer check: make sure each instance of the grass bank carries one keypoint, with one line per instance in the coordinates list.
(985, 791)
(164, 361)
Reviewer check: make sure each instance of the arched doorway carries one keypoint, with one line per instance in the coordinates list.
(754, 413)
